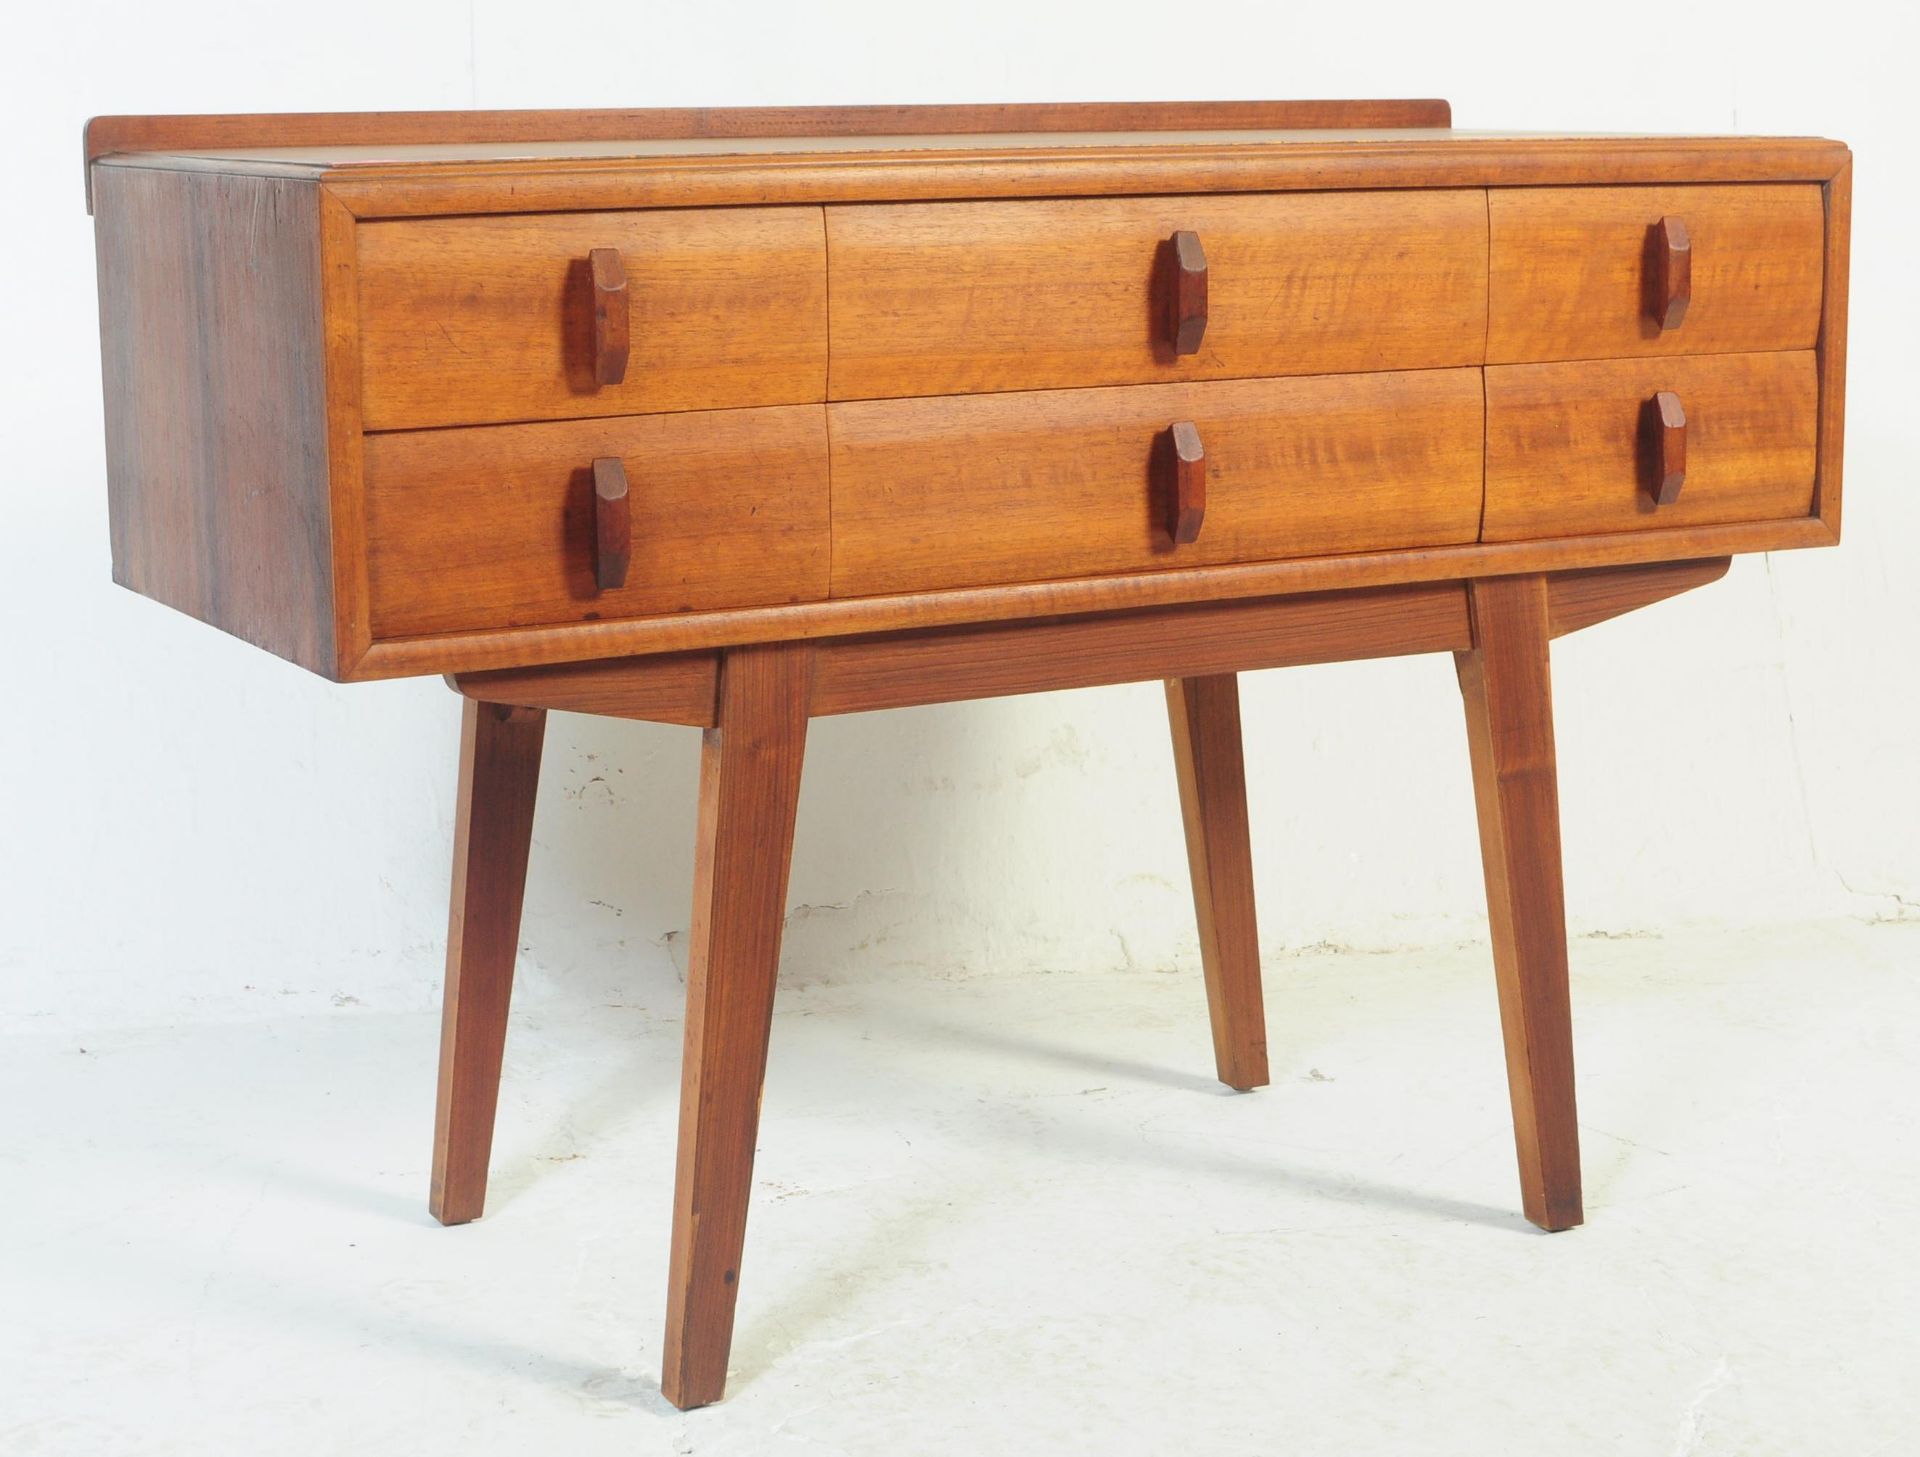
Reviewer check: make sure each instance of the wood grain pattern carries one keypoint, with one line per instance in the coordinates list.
(945, 665)
(664, 688)
(1569, 271)
(494, 526)
(1565, 451)
(1506, 684)
(493, 830)
(1204, 714)
(749, 787)
(213, 364)
(104, 135)
(1009, 604)
(898, 171)
(1581, 599)
(475, 320)
(949, 664)
(1025, 487)
(958, 298)
(1838, 199)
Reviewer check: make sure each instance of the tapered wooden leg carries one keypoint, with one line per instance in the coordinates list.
(749, 785)
(499, 769)
(1205, 715)
(1509, 699)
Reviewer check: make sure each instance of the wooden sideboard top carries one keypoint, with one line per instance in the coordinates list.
(409, 163)
(217, 131)
(297, 159)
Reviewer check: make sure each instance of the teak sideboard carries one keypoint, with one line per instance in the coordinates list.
(734, 418)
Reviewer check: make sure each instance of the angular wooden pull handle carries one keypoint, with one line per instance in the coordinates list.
(609, 315)
(1664, 425)
(612, 524)
(1669, 272)
(1186, 292)
(1183, 468)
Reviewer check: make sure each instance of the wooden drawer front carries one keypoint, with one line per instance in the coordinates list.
(1567, 448)
(494, 527)
(1031, 487)
(466, 321)
(1571, 270)
(964, 298)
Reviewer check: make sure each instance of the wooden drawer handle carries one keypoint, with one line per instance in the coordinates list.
(1664, 427)
(1669, 272)
(612, 524)
(1186, 292)
(1183, 472)
(609, 315)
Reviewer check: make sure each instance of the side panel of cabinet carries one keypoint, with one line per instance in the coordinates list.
(214, 375)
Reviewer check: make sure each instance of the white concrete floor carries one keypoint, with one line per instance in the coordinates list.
(1003, 1215)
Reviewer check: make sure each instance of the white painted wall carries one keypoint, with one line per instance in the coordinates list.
(192, 828)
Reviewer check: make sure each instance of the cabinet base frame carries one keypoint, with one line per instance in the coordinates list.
(754, 703)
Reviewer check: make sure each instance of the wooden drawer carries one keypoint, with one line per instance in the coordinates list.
(494, 527)
(1567, 448)
(1573, 270)
(467, 321)
(1030, 487)
(970, 297)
